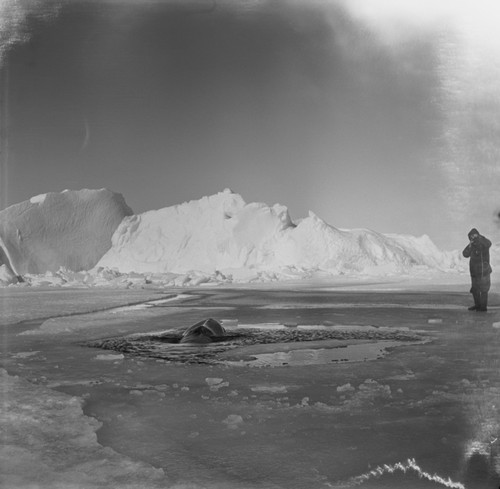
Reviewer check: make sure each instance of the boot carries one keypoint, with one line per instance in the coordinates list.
(483, 302)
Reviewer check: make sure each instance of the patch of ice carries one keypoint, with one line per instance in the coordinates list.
(110, 356)
(357, 305)
(262, 326)
(148, 304)
(233, 421)
(307, 327)
(406, 376)
(90, 320)
(177, 297)
(48, 442)
(345, 388)
(229, 323)
(25, 354)
(135, 307)
(216, 383)
(216, 388)
(213, 381)
(270, 389)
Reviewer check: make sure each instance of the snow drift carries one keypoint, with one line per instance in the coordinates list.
(71, 229)
(221, 233)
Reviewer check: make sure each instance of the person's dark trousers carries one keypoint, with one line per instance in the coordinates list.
(476, 295)
(479, 291)
(483, 302)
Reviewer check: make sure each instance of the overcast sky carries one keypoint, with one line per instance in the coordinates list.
(369, 113)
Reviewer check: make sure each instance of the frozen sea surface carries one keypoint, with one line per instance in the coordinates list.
(422, 415)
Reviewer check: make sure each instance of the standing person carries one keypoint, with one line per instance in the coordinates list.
(478, 250)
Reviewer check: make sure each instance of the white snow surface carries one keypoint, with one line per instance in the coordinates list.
(222, 233)
(38, 199)
(69, 229)
(90, 238)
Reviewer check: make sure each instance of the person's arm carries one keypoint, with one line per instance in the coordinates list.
(467, 251)
(485, 242)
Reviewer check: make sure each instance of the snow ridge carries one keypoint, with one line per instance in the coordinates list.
(223, 233)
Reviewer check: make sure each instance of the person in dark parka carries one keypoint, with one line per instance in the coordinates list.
(478, 250)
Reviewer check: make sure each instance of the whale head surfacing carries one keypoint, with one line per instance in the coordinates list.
(203, 332)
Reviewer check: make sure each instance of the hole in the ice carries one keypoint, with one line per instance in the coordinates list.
(266, 345)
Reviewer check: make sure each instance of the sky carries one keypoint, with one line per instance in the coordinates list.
(379, 114)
